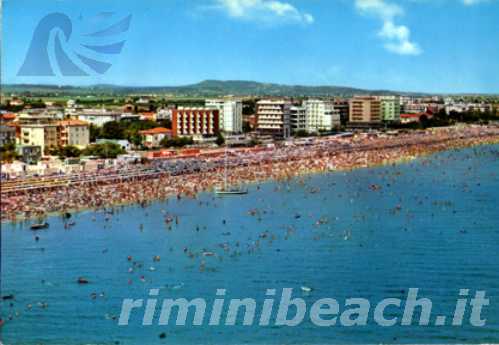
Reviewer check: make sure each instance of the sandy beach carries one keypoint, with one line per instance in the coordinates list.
(185, 178)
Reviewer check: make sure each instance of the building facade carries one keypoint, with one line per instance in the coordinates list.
(43, 135)
(273, 118)
(29, 154)
(320, 116)
(230, 112)
(298, 121)
(390, 108)
(195, 122)
(7, 134)
(343, 108)
(98, 117)
(152, 137)
(365, 110)
(73, 132)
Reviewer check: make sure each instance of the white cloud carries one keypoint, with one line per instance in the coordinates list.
(268, 11)
(397, 37)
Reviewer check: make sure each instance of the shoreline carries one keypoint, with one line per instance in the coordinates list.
(29, 205)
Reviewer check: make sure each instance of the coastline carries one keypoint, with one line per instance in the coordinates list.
(81, 198)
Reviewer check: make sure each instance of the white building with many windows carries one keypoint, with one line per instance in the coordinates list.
(273, 118)
(230, 114)
(320, 116)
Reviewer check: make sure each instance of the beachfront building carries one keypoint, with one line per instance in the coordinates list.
(297, 118)
(152, 137)
(39, 134)
(73, 132)
(230, 114)
(98, 117)
(320, 116)
(365, 110)
(273, 118)
(390, 108)
(343, 108)
(195, 122)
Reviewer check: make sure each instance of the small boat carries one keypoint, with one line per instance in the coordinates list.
(229, 191)
(225, 190)
(306, 289)
(82, 280)
(39, 226)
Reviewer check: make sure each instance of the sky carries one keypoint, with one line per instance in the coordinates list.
(439, 46)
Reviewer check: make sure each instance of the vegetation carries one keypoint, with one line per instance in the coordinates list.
(105, 150)
(8, 152)
(176, 142)
(301, 133)
(123, 129)
(68, 151)
(220, 139)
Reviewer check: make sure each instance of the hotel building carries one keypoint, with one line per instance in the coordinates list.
(390, 108)
(230, 114)
(195, 122)
(320, 116)
(365, 110)
(298, 120)
(273, 118)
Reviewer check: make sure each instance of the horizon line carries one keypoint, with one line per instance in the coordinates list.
(2, 85)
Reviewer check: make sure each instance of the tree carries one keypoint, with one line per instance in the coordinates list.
(95, 132)
(113, 130)
(69, 151)
(301, 133)
(220, 139)
(246, 127)
(176, 142)
(105, 150)
(8, 152)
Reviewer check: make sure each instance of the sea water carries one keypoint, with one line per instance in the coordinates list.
(432, 224)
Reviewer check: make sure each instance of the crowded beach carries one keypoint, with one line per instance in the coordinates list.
(161, 178)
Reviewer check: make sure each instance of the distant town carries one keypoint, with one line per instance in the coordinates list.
(48, 134)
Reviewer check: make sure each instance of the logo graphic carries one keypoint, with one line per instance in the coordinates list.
(55, 29)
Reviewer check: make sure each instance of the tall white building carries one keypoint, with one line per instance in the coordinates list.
(320, 116)
(273, 118)
(230, 114)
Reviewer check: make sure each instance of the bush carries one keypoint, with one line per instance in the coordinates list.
(105, 150)
(176, 142)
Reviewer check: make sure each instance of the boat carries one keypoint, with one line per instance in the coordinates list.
(39, 226)
(225, 189)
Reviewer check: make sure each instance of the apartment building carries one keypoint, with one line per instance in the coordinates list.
(390, 108)
(37, 134)
(152, 137)
(320, 116)
(297, 117)
(273, 118)
(343, 107)
(195, 121)
(73, 132)
(365, 110)
(230, 114)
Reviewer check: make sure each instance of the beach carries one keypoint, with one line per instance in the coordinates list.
(161, 179)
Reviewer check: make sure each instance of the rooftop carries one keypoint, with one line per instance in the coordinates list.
(158, 130)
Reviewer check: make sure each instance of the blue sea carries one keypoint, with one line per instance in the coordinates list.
(431, 223)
